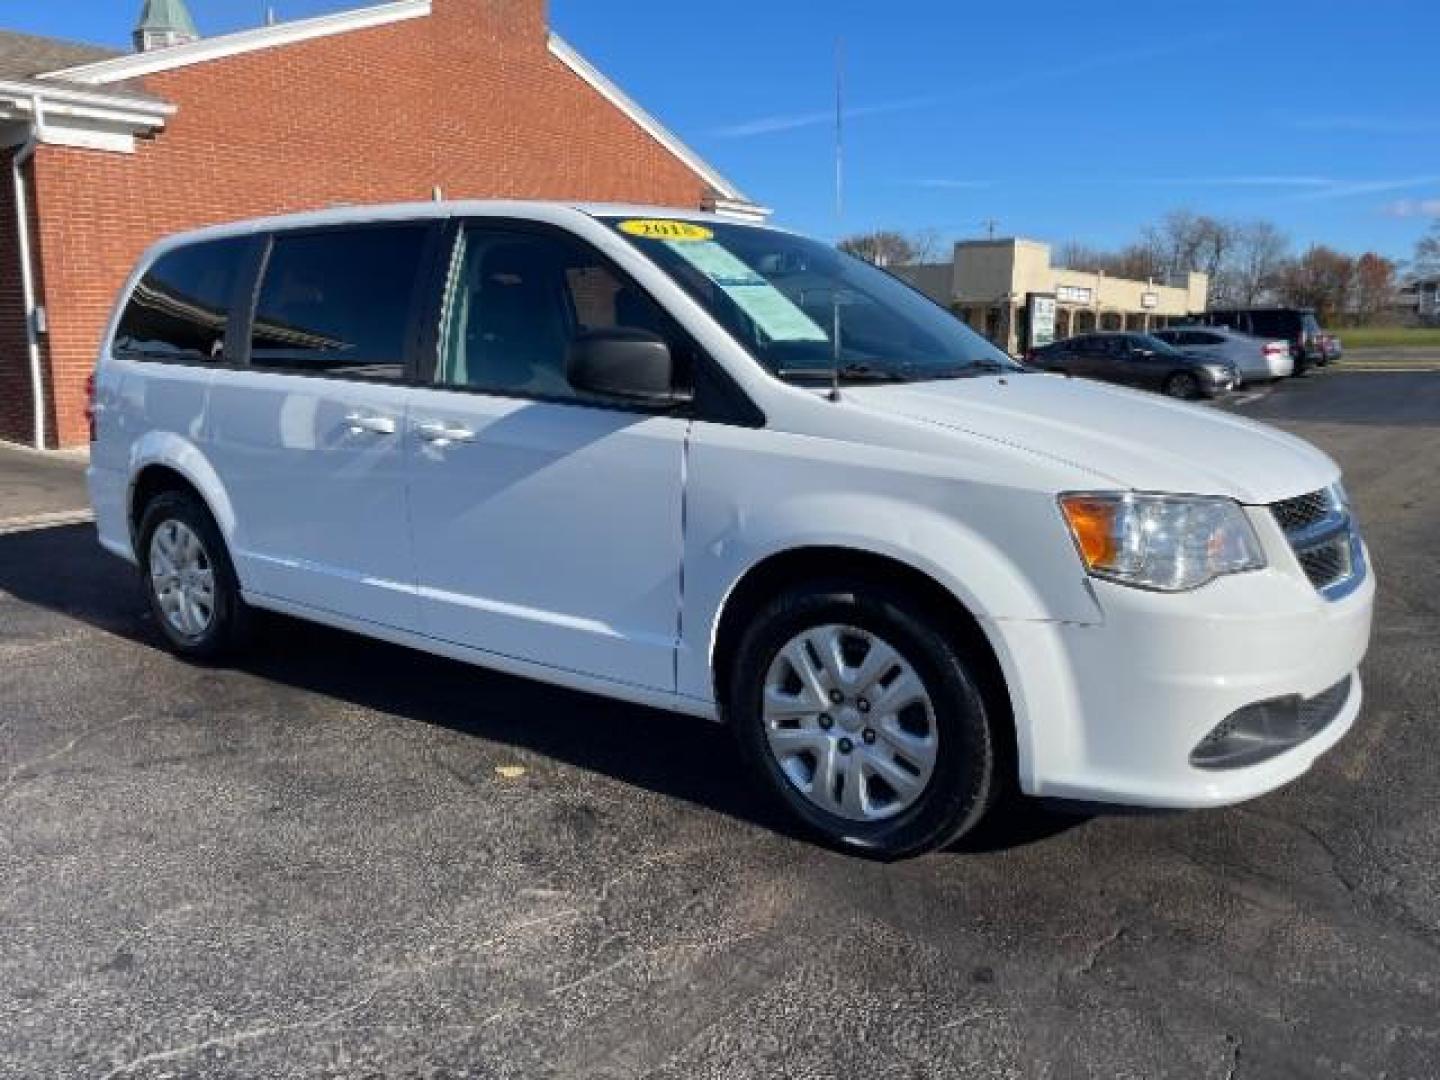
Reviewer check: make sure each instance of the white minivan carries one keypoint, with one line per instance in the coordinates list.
(729, 471)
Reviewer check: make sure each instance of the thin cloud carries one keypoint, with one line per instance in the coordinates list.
(1358, 124)
(1349, 189)
(1279, 181)
(776, 122)
(952, 185)
(767, 125)
(1410, 208)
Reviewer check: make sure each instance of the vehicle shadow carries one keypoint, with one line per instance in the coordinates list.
(677, 756)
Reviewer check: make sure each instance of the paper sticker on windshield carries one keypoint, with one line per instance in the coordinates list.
(683, 232)
(774, 312)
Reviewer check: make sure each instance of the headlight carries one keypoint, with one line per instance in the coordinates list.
(1166, 542)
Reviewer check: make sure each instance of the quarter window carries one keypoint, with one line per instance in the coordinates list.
(517, 300)
(180, 310)
(338, 302)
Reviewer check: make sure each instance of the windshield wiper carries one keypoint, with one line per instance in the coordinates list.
(979, 367)
(846, 373)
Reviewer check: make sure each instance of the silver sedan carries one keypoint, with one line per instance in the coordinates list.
(1257, 359)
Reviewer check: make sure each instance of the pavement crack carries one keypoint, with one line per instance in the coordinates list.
(1097, 951)
(15, 776)
(236, 1038)
(1233, 1068)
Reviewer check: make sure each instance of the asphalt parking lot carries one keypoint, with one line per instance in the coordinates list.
(345, 859)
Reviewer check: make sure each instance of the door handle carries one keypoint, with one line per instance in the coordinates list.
(378, 425)
(440, 434)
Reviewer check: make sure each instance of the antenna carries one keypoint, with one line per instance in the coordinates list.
(990, 224)
(839, 208)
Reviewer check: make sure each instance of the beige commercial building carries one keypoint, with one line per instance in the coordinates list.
(1007, 290)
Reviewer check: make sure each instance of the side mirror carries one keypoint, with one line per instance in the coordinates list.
(622, 362)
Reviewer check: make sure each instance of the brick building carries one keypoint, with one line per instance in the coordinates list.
(103, 153)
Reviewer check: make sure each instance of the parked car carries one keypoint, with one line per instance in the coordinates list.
(1297, 326)
(732, 472)
(1256, 359)
(1139, 360)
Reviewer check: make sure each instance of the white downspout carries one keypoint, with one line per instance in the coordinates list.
(27, 276)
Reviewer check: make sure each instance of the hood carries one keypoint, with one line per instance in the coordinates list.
(1122, 438)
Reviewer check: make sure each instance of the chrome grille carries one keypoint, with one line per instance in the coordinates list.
(1322, 533)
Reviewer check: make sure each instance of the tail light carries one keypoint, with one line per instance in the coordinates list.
(90, 404)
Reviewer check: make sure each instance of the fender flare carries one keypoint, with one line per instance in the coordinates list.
(175, 452)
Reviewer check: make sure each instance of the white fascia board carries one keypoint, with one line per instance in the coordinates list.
(243, 41)
(86, 134)
(98, 105)
(566, 53)
(739, 211)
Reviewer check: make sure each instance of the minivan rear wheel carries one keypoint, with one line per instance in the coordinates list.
(864, 720)
(188, 577)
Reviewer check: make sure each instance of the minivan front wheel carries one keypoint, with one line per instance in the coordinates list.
(861, 716)
(188, 578)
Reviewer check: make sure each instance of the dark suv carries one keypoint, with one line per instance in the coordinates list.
(1298, 326)
(1136, 360)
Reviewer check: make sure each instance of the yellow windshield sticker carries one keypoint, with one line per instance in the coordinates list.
(653, 229)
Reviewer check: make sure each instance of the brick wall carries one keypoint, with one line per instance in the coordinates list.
(469, 98)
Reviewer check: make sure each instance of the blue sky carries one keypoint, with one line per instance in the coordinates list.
(1058, 120)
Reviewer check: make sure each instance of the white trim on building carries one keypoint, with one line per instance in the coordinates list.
(95, 121)
(137, 65)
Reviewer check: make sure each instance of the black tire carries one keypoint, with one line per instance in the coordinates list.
(1182, 385)
(966, 778)
(230, 617)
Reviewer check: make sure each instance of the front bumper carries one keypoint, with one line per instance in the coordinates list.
(1111, 713)
(1215, 385)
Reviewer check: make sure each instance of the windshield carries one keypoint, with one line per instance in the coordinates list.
(805, 310)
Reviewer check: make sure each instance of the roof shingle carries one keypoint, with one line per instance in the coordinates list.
(24, 57)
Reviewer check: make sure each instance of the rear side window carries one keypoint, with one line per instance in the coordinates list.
(181, 308)
(338, 302)
(1274, 323)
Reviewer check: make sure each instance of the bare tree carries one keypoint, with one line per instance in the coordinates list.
(1074, 255)
(884, 247)
(1183, 241)
(1139, 262)
(1373, 286)
(1259, 253)
(1133, 261)
(1321, 279)
(1427, 253)
(926, 245)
